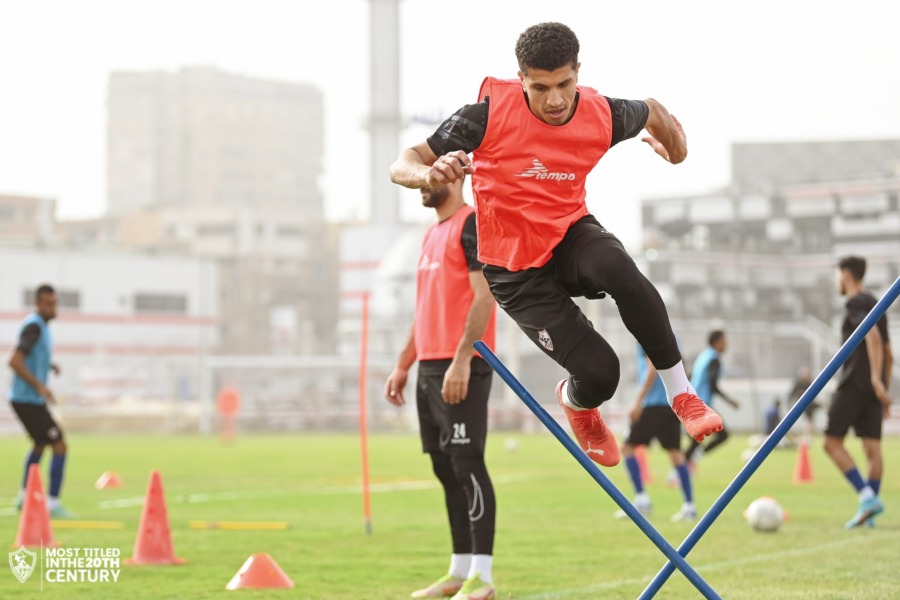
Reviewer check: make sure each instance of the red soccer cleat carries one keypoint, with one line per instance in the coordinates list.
(595, 439)
(698, 418)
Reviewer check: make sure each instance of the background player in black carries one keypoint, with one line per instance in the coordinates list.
(862, 399)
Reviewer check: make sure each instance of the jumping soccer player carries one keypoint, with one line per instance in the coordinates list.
(862, 400)
(32, 363)
(652, 417)
(454, 309)
(534, 141)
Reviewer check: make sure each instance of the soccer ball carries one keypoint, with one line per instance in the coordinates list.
(764, 514)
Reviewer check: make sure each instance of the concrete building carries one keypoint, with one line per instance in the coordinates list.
(200, 137)
(132, 329)
(26, 219)
(227, 167)
(760, 256)
(765, 166)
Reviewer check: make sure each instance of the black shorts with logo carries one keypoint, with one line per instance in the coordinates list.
(851, 407)
(657, 422)
(456, 429)
(539, 299)
(38, 422)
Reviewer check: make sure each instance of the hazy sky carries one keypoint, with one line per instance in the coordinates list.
(731, 71)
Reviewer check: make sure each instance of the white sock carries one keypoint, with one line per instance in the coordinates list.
(567, 401)
(52, 502)
(865, 493)
(481, 566)
(641, 498)
(675, 381)
(459, 565)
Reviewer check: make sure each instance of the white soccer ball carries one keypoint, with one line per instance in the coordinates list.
(511, 444)
(764, 514)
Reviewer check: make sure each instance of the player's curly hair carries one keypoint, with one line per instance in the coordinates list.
(547, 46)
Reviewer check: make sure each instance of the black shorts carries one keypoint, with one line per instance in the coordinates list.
(855, 408)
(589, 262)
(657, 422)
(539, 299)
(456, 429)
(38, 422)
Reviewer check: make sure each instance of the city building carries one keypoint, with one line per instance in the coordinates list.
(760, 255)
(131, 331)
(226, 167)
(26, 219)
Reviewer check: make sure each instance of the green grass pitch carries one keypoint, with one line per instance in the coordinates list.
(556, 537)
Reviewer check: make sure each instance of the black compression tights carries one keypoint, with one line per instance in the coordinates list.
(470, 500)
(604, 265)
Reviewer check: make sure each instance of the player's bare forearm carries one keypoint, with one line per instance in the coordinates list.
(666, 134)
(411, 167)
(478, 317)
(875, 350)
(476, 323)
(418, 167)
(396, 381)
(408, 353)
(888, 365)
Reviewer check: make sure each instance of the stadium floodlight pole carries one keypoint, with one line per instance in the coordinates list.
(779, 432)
(594, 471)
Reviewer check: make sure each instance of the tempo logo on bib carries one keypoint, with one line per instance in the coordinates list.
(539, 171)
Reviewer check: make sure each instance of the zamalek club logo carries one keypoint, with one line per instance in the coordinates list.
(539, 171)
(67, 565)
(545, 340)
(22, 563)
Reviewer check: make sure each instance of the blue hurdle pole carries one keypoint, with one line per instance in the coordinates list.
(594, 472)
(780, 431)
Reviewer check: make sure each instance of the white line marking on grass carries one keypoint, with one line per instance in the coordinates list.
(398, 486)
(716, 566)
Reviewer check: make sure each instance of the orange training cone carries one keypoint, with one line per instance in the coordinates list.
(259, 571)
(154, 539)
(640, 452)
(34, 522)
(803, 468)
(109, 480)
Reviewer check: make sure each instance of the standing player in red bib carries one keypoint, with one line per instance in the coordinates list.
(533, 142)
(454, 309)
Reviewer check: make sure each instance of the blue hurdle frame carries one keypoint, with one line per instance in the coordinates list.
(594, 471)
(776, 436)
(677, 557)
